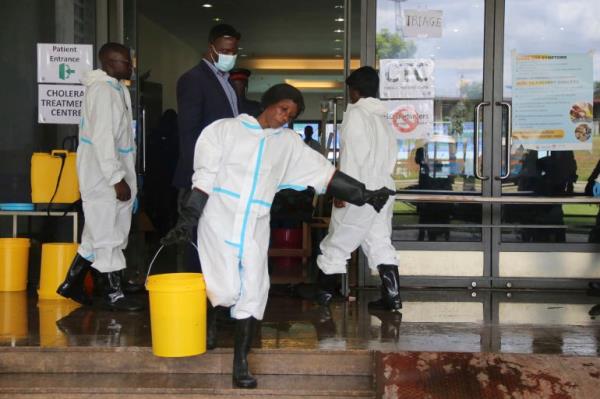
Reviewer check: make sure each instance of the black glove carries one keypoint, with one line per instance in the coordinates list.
(188, 218)
(351, 190)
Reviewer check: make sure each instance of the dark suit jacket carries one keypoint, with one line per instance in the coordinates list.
(201, 100)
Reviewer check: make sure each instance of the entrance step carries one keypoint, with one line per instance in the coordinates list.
(218, 361)
(148, 385)
(134, 372)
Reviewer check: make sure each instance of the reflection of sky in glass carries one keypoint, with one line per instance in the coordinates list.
(550, 26)
(458, 54)
(531, 26)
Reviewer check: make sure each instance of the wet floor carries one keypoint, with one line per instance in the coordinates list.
(431, 320)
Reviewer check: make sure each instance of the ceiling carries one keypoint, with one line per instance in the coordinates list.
(270, 28)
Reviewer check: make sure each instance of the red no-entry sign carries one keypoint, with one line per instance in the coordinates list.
(405, 119)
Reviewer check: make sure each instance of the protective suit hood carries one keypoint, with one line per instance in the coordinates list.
(253, 124)
(371, 105)
(97, 75)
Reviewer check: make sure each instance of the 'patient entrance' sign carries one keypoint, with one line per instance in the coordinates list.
(63, 63)
(60, 103)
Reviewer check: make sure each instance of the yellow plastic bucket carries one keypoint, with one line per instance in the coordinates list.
(177, 314)
(14, 260)
(13, 316)
(50, 311)
(56, 259)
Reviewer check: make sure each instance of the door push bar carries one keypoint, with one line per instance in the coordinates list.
(506, 199)
(508, 144)
(477, 164)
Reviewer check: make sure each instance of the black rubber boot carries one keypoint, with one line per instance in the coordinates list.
(593, 288)
(111, 292)
(73, 286)
(390, 289)
(326, 287)
(244, 330)
(390, 323)
(594, 311)
(130, 286)
(211, 326)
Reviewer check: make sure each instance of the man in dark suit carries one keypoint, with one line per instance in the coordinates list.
(203, 96)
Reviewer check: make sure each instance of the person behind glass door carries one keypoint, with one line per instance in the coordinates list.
(432, 213)
(557, 177)
(160, 196)
(309, 141)
(592, 188)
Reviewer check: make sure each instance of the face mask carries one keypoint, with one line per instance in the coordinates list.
(225, 62)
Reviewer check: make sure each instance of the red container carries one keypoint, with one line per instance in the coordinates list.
(286, 239)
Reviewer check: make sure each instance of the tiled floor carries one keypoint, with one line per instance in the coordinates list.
(431, 320)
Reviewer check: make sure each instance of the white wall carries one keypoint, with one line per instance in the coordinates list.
(166, 55)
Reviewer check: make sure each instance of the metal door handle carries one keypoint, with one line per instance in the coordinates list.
(144, 140)
(508, 139)
(476, 145)
(335, 132)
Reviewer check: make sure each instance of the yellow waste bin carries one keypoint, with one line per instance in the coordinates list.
(177, 314)
(14, 260)
(56, 259)
(13, 316)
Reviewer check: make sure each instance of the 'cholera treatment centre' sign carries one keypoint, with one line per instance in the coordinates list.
(62, 65)
(60, 103)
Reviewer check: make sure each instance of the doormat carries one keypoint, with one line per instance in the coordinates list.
(430, 375)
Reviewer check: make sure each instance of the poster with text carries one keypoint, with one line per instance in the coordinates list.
(406, 78)
(411, 119)
(552, 101)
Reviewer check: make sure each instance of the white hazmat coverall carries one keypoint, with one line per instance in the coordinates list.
(106, 154)
(242, 166)
(368, 152)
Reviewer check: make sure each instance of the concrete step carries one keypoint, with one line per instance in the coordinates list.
(181, 386)
(219, 361)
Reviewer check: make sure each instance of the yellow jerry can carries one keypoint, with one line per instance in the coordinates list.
(45, 175)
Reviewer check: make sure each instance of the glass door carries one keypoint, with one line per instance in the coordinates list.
(494, 175)
(548, 94)
(432, 57)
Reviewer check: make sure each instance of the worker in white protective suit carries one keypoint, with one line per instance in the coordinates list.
(107, 181)
(368, 152)
(239, 165)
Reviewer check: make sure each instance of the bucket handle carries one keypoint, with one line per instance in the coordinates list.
(156, 256)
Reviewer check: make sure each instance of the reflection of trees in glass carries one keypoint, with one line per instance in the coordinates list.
(391, 45)
(596, 89)
(461, 112)
(471, 90)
